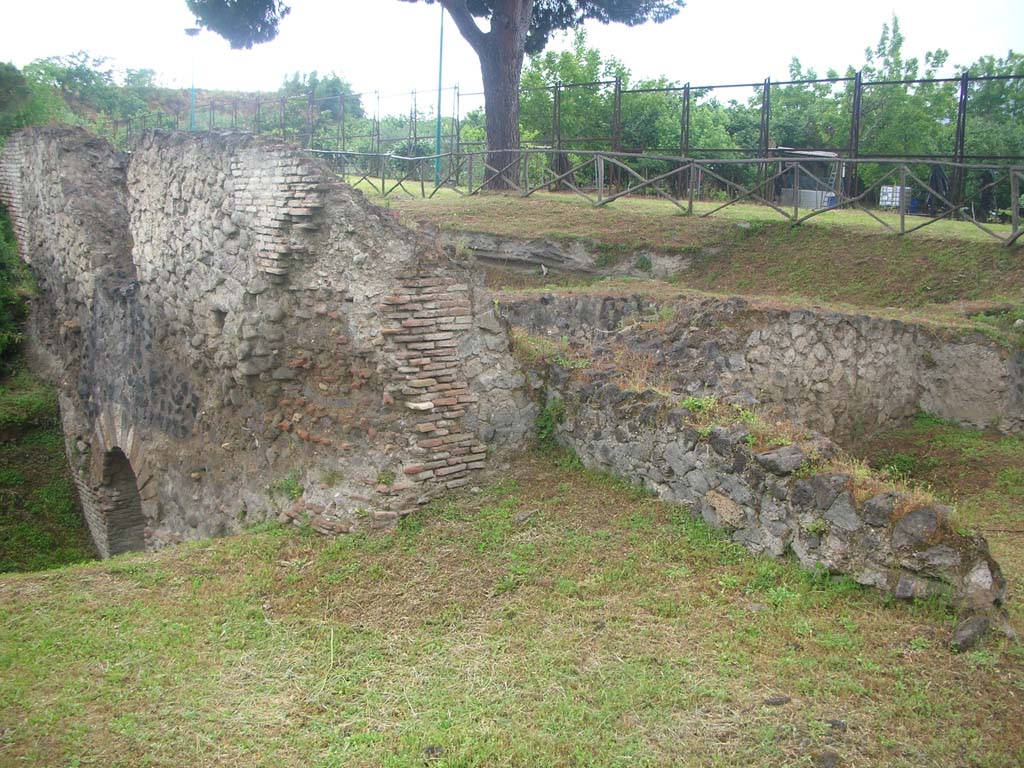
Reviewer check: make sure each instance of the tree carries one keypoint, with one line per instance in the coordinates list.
(586, 110)
(15, 98)
(515, 28)
(995, 117)
(899, 118)
(806, 115)
(24, 101)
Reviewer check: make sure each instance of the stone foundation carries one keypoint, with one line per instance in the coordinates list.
(777, 501)
(845, 375)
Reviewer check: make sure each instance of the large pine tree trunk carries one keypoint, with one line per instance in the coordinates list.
(501, 52)
(501, 71)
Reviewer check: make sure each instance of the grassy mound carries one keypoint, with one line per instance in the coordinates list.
(841, 257)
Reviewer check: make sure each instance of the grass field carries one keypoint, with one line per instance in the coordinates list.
(555, 618)
(840, 257)
(41, 523)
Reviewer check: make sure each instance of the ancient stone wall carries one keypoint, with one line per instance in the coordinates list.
(774, 501)
(845, 375)
(243, 329)
(236, 335)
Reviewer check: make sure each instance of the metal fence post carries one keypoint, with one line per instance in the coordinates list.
(617, 116)
(766, 99)
(796, 190)
(854, 151)
(556, 118)
(692, 179)
(616, 128)
(309, 116)
(957, 196)
(456, 148)
(338, 142)
(1014, 201)
(684, 141)
(414, 136)
(903, 202)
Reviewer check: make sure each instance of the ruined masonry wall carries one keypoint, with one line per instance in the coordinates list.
(845, 375)
(762, 502)
(225, 321)
(236, 318)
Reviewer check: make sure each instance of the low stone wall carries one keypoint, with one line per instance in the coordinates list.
(774, 501)
(845, 375)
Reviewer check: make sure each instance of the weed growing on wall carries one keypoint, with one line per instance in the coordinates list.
(289, 487)
(550, 416)
(538, 350)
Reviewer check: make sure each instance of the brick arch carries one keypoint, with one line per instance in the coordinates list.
(118, 494)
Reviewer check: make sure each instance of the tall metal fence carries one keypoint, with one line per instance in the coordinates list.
(389, 142)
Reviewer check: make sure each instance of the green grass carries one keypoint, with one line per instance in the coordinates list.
(41, 524)
(25, 401)
(288, 487)
(558, 617)
(16, 284)
(949, 262)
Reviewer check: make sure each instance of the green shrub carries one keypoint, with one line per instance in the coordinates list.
(15, 286)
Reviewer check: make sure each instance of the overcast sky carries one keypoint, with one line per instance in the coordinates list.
(392, 47)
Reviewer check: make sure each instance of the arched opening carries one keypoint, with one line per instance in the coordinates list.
(122, 506)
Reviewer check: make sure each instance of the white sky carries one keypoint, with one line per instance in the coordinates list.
(391, 47)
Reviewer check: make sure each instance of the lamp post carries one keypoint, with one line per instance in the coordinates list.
(437, 124)
(192, 32)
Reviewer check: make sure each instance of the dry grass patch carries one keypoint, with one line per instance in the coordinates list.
(538, 351)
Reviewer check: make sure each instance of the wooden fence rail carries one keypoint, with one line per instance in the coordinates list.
(795, 188)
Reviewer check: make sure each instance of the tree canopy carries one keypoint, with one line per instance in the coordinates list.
(550, 16)
(515, 28)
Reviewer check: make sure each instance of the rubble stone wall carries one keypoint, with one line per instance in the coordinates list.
(236, 335)
(774, 501)
(845, 375)
(238, 324)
